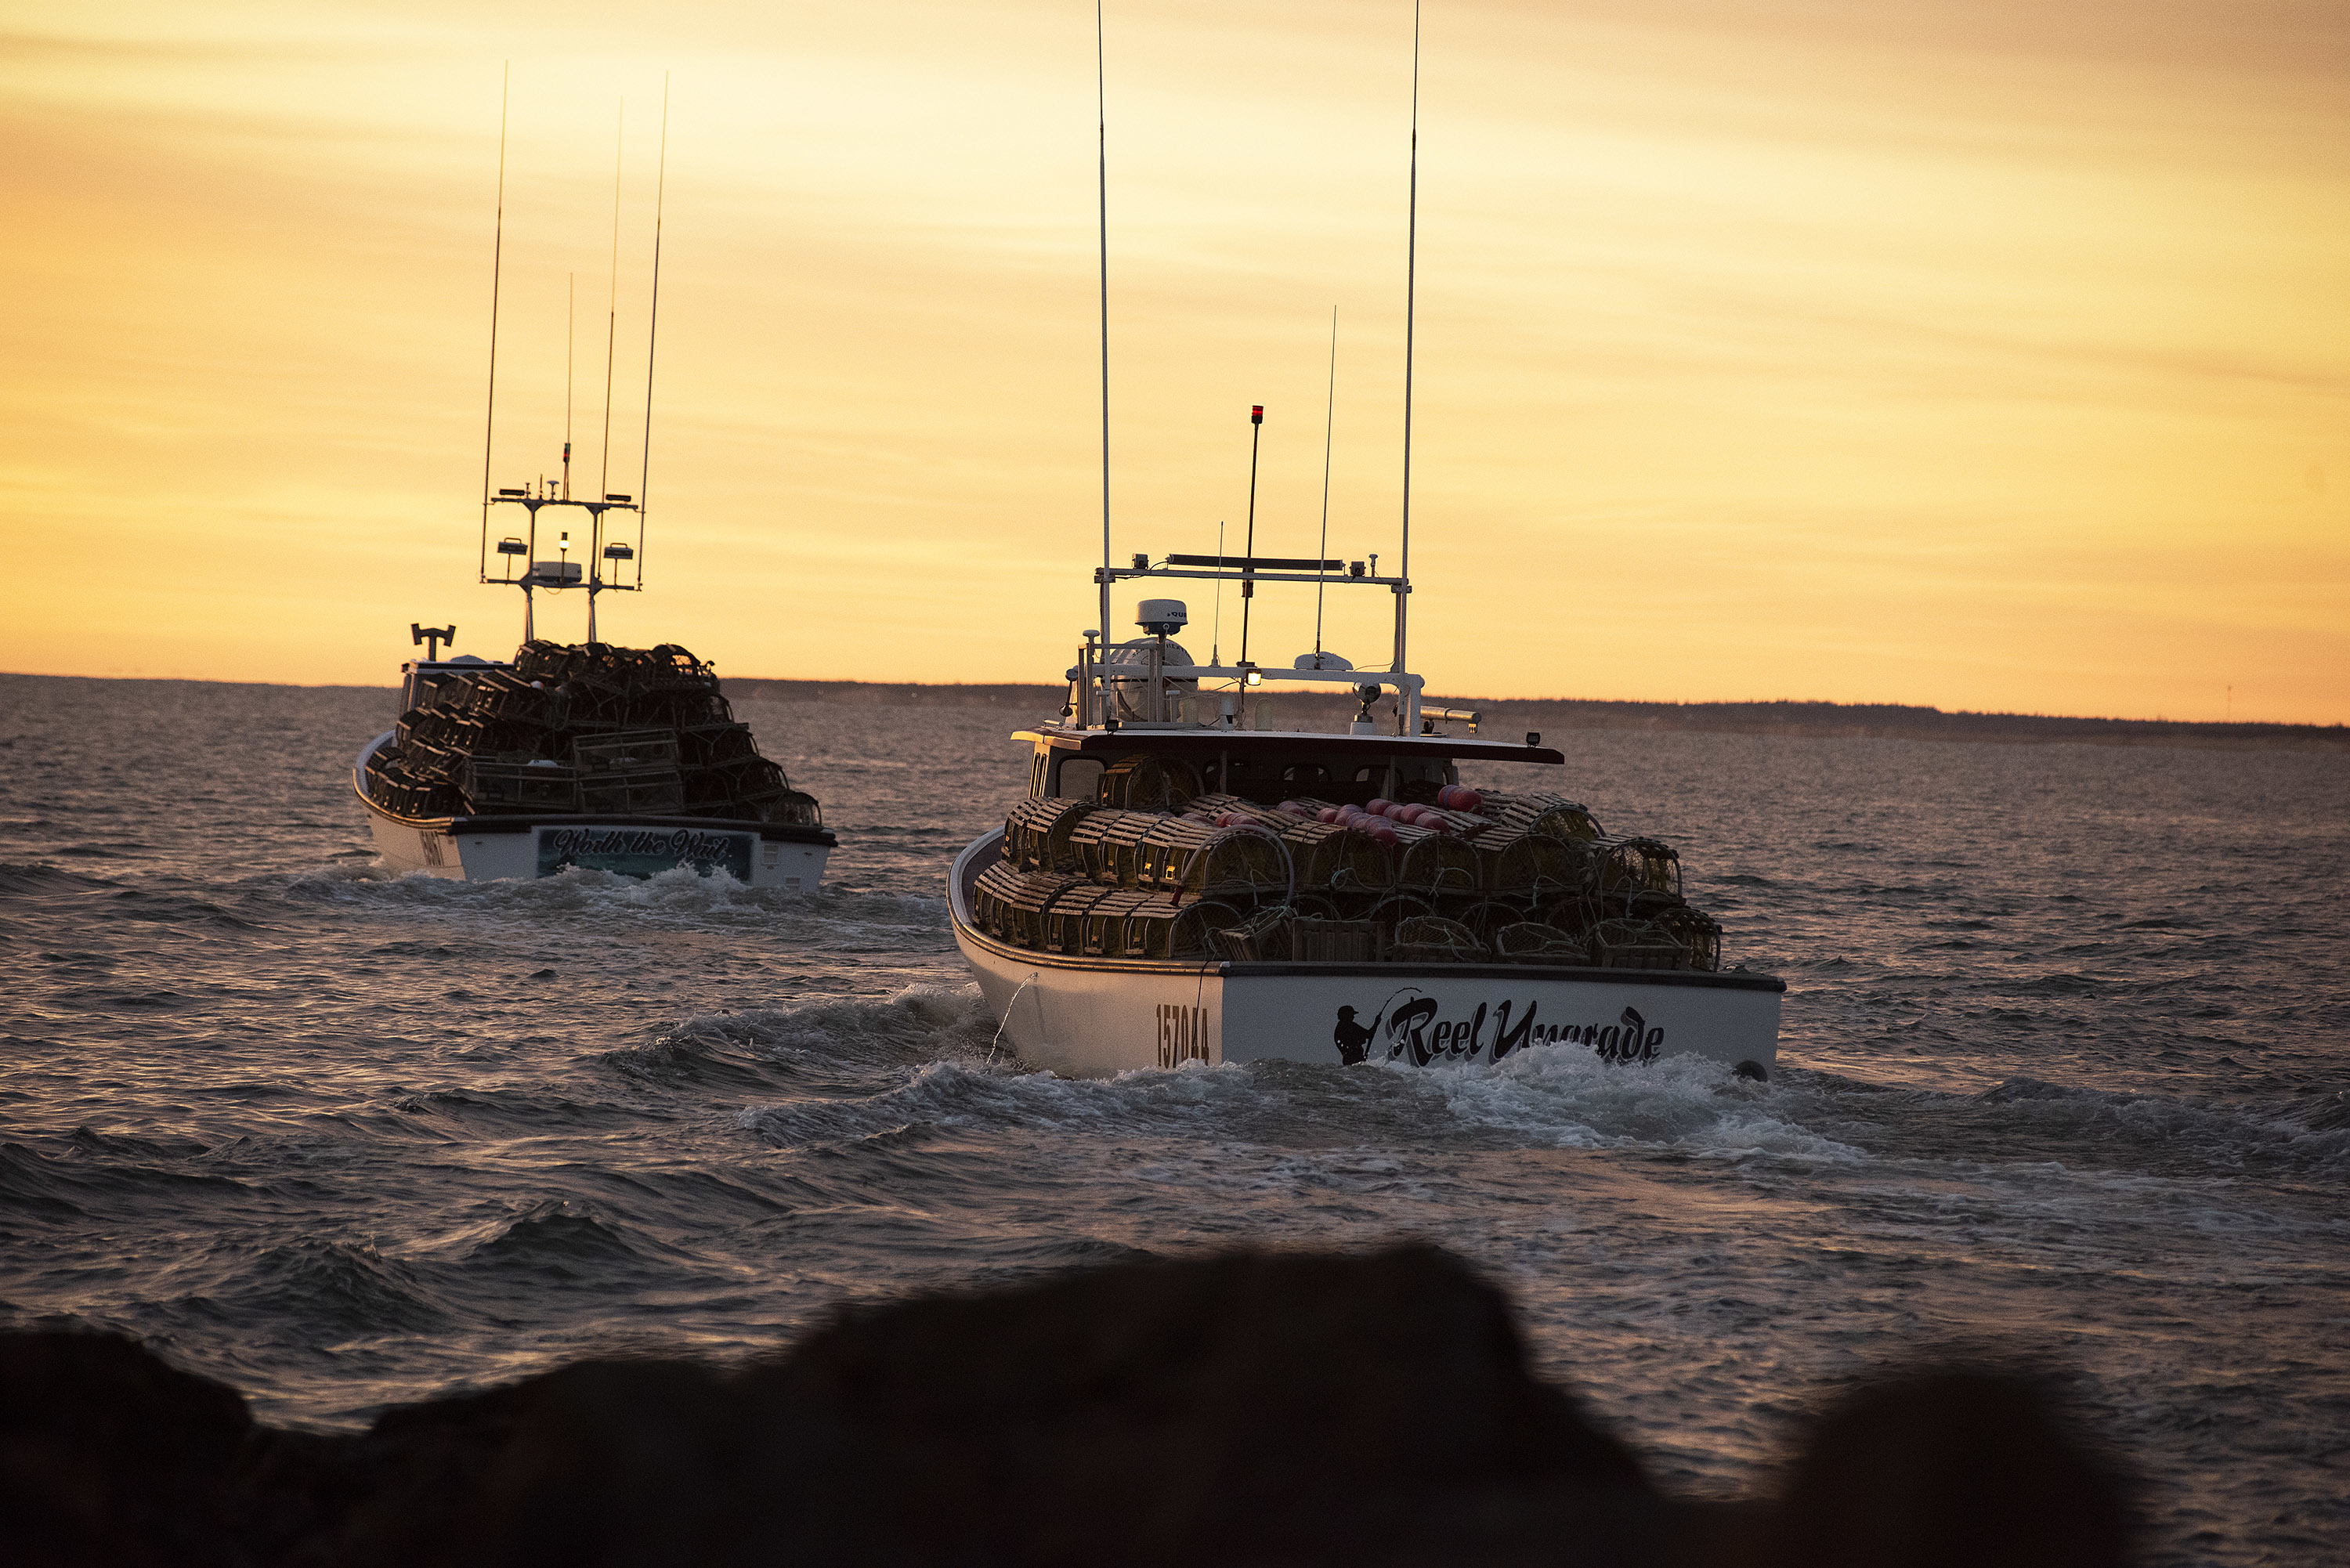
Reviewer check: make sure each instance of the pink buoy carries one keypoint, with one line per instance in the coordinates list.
(1380, 806)
(1332, 813)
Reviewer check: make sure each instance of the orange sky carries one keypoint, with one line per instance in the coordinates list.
(1953, 352)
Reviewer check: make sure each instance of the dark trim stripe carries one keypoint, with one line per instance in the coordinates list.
(1227, 968)
(483, 827)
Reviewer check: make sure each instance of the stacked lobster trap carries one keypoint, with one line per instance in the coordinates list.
(580, 729)
(1462, 877)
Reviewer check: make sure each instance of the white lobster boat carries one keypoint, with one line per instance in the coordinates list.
(622, 760)
(1188, 880)
(777, 841)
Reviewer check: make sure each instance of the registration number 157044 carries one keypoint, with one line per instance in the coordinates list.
(1182, 1034)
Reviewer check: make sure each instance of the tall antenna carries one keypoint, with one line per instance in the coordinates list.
(1321, 553)
(1101, 101)
(1248, 556)
(612, 318)
(497, 264)
(652, 330)
(1216, 635)
(1411, 295)
(570, 332)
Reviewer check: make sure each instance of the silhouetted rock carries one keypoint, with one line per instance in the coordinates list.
(107, 1454)
(1248, 1407)
(1255, 1408)
(1950, 1468)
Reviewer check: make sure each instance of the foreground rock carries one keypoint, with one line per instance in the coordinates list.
(1255, 1408)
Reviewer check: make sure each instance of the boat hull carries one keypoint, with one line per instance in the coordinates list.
(521, 847)
(1094, 1017)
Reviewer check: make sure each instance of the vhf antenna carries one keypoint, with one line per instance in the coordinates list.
(1248, 558)
(570, 333)
(1329, 420)
(1216, 637)
(1101, 101)
(652, 330)
(1410, 292)
(497, 261)
(612, 313)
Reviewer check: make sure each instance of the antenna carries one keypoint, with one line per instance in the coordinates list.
(612, 316)
(1101, 101)
(1329, 420)
(1216, 638)
(497, 266)
(1248, 557)
(570, 333)
(1411, 295)
(652, 330)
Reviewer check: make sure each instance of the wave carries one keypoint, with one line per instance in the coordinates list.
(680, 896)
(844, 1043)
(341, 1287)
(1550, 1097)
(2174, 1135)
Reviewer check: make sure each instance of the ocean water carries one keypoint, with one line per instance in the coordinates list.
(2065, 1077)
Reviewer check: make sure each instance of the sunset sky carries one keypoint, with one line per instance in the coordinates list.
(1978, 353)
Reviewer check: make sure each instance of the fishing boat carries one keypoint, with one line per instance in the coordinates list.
(627, 761)
(1194, 876)
(1191, 878)
(588, 756)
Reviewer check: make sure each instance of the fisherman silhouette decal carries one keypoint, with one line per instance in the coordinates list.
(1354, 1041)
(1414, 1028)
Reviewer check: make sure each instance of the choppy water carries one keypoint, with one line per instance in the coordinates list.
(2064, 1069)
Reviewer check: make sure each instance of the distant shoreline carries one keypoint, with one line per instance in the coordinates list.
(1511, 716)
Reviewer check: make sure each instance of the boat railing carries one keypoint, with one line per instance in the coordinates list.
(1162, 697)
(1102, 682)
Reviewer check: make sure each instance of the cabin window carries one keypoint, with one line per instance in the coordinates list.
(1078, 778)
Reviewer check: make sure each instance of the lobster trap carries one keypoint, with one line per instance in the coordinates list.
(1146, 783)
(1432, 938)
(492, 788)
(1531, 941)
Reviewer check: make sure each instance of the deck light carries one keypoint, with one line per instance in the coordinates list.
(513, 546)
(619, 552)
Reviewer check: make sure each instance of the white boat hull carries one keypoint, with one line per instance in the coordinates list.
(485, 849)
(1094, 1017)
